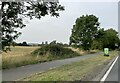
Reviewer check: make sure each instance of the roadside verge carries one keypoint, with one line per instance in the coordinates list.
(99, 77)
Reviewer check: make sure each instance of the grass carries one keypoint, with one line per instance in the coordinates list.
(21, 56)
(18, 56)
(82, 52)
(19, 51)
(82, 70)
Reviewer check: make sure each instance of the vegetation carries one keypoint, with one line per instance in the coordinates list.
(12, 14)
(86, 34)
(84, 31)
(82, 70)
(18, 56)
(54, 51)
(23, 55)
(106, 39)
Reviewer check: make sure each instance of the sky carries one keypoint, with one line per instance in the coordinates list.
(59, 29)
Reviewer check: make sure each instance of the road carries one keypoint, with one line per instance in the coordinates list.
(21, 72)
(114, 74)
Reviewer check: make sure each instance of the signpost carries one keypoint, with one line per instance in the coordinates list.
(106, 51)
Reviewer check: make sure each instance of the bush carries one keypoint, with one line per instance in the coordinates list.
(55, 50)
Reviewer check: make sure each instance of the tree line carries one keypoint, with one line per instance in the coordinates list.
(54, 42)
(87, 34)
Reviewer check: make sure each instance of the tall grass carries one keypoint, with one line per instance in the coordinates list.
(21, 55)
(18, 56)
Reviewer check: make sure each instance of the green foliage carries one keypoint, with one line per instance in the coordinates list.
(54, 50)
(12, 14)
(53, 42)
(99, 40)
(106, 39)
(87, 35)
(84, 31)
(110, 39)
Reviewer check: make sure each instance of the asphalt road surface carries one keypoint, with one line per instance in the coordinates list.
(21, 72)
(113, 75)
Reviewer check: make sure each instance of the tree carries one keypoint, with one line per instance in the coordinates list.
(99, 39)
(12, 14)
(46, 42)
(84, 31)
(42, 43)
(53, 42)
(24, 43)
(106, 39)
(111, 39)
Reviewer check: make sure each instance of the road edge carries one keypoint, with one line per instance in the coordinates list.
(102, 73)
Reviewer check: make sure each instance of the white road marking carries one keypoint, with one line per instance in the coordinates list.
(107, 73)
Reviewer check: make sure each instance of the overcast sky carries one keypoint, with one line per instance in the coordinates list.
(59, 29)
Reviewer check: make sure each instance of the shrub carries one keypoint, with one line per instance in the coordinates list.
(55, 50)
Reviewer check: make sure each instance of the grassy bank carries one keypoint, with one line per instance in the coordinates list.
(82, 70)
(21, 56)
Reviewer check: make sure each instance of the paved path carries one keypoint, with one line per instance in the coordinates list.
(21, 72)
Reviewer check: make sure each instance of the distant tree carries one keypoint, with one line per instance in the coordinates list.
(60, 43)
(84, 31)
(24, 43)
(13, 13)
(42, 43)
(46, 42)
(66, 45)
(111, 39)
(106, 39)
(53, 42)
(19, 44)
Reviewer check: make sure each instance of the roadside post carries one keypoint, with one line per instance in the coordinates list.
(106, 51)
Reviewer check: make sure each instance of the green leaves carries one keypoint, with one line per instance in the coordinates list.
(86, 34)
(13, 14)
(110, 38)
(84, 31)
(106, 39)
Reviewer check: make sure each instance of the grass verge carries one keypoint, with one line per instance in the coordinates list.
(82, 70)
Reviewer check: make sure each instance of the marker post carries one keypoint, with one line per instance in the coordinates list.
(106, 51)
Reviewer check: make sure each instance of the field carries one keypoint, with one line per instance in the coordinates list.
(83, 70)
(19, 51)
(20, 56)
